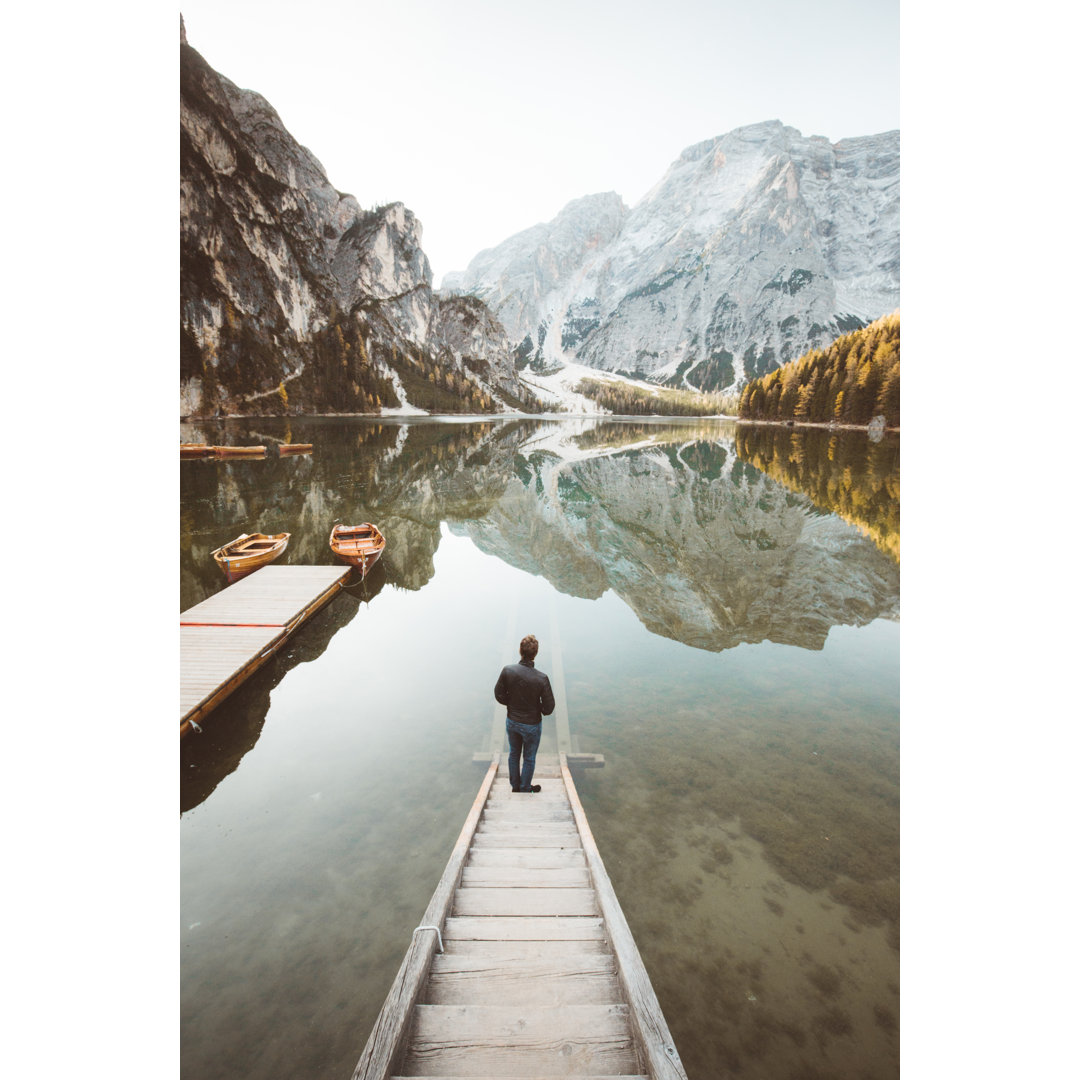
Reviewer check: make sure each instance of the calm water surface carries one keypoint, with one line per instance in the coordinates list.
(725, 605)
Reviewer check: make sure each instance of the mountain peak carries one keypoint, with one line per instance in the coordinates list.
(751, 248)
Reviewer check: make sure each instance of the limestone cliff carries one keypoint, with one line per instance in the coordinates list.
(753, 248)
(294, 298)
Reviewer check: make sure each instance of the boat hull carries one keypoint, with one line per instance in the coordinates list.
(239, 451)
(248, 552)
(358, 545)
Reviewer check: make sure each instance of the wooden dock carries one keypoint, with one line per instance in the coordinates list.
(523, 964)
(234, 632)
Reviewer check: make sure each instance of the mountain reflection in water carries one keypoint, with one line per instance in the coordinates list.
(726, 606)
(705, 547)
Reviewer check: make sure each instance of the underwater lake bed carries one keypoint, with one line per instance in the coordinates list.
(724, 605)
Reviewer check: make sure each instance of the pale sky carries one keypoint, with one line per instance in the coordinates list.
(486, 117)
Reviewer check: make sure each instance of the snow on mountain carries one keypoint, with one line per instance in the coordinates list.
(752, 248)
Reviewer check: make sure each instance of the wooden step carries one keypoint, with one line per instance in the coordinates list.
(526, 858)
(528, 816)
(550, 792)
(511, 829)
(521, 951)
(533, 838)
(538, 975)
(526, 809)
(489, 1040)
(525, 902)
(586, 979)
(539, 928)
(516, 819)
(508, 877)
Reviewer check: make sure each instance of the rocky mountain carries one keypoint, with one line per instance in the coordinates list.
(753, 248)
(294, 298)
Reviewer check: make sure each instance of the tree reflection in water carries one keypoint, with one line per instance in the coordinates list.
(843, 471)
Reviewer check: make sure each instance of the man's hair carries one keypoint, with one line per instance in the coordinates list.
(529, 647)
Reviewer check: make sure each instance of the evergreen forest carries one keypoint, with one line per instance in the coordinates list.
(625, 399)
(851, 381)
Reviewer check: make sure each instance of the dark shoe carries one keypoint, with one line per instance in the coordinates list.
(535, 787)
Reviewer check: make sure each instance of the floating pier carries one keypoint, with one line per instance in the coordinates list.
(228, 636)
(523, 964)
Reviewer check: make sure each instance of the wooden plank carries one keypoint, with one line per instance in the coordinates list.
(286, 590)
(512, 810)
(551, 794)
(457, 979)
(535, 814)
(542, 965)
(526, 901)
(500, 840)
(537, 819)
(511, 827)
(524, 812)
(550, 799)
(546, 1076)
(528, 807)
(514, 952)
(542, 928)
(276, 600)
(499, 877)
(488, 1040)
(660, 1055)
(511, 835)
(386, 1042)
(209, 676)
(527, 858)
(533, 982)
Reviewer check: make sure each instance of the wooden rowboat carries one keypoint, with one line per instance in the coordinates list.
(358, 545)
(248, 552)
(239, 451)
(296, 448)
(195, 449)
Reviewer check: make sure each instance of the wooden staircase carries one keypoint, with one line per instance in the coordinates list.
(538, 974)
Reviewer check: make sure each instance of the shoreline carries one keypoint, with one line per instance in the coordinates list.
(830, 425)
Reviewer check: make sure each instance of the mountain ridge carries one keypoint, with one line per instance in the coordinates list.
(752, 248)
(295, 299)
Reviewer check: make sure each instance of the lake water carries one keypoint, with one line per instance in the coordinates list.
(724, 605)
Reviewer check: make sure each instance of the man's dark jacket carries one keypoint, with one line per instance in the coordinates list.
(525, 692)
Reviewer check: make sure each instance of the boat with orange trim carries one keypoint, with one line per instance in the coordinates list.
(358, 545)
(248, 552)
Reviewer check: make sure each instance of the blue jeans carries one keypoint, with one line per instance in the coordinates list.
(524, 740)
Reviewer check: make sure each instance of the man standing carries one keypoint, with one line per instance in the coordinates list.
(526, 693)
